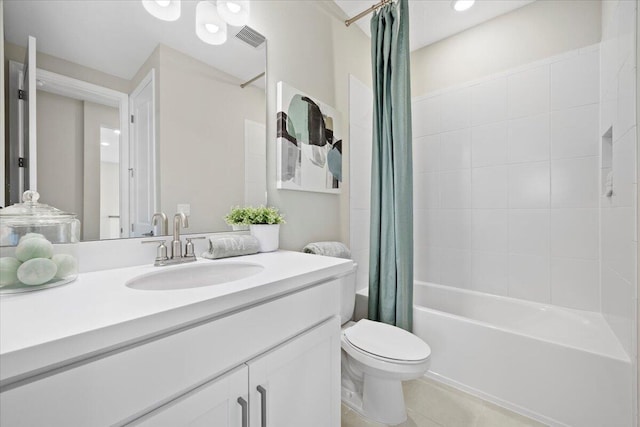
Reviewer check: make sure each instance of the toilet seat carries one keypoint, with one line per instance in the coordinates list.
(386, 342)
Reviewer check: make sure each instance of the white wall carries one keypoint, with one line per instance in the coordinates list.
(618, 213)
(310, 48)
(505, 182)
(534, 32)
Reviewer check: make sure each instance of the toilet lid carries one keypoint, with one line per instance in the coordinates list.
(387, 341)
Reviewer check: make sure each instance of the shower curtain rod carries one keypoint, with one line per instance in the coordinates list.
(247, 83)
(366, 12)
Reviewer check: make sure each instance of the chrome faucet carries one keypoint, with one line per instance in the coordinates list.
(176, 245)
(164, 225)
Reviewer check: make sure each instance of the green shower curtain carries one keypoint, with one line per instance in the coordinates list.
(391, 248)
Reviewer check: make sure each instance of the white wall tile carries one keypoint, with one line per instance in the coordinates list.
(426, 190)
(574, 283)
(618, 245)
(624, 170)
(529, 277)
(455, 267)
(529, 185)
(427, 264)
(455, 150)
(574, 132)
(360, 220)
(455, 189)
(574, 182)
(426, 154)
(626, 18)
(574, 233)
(489, 187)
(361, 257)
(427, 228)
(490, 272)
(575, 81)
(489, 230)
(489, 102)
(528, 92)
(626, 105)
(360, 167)
(489, 145)
(617, 307)
(360, 103)
(425, 116)
(529, 231)
(455, 228)
(455, 110)
(529, 139)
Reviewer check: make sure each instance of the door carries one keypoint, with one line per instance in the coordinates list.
(142, 158)
(298, 383)
(221, 402)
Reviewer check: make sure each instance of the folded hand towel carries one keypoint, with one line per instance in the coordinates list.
(228, 246)
(334, 249)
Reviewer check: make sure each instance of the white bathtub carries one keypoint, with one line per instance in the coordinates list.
(556, 365)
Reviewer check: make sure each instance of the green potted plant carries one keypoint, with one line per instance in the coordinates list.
(264, 224)
(237, 218)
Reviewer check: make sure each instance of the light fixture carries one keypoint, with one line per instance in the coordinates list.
(235, 13)
(167, 10)
(462, 5)
(210, 27)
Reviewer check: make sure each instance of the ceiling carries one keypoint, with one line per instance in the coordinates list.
(117, 36)
(433, 20)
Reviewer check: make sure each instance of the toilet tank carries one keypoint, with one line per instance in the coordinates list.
(348, 298)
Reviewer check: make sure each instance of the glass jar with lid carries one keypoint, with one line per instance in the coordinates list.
(38, 246)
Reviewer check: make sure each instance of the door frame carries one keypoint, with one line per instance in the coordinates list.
(150, 78)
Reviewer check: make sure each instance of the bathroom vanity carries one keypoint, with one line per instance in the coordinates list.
(264, 349)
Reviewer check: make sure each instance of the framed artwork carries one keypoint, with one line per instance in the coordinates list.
(309, 143)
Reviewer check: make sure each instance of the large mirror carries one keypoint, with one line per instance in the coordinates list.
(131, 114)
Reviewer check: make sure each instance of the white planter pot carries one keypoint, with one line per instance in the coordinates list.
(240, 227)
(268, 236)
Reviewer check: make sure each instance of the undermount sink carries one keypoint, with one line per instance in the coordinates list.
(194, 276)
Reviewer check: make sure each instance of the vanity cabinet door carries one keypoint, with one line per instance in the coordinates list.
(221, 402)
(298, 383)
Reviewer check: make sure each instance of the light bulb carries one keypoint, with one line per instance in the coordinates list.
(462, 5)
(235, 13)
(166, 10)
(212, 28)
(233, 7)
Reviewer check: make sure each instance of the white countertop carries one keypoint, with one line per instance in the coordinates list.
(45, 329)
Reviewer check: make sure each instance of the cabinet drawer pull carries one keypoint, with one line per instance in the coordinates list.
(245, 414)
(263, 406)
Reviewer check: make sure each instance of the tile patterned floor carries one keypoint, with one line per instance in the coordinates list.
(433, 404)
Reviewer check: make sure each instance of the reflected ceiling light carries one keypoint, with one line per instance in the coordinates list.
(235, 13)
(104, 144)
(462, 5)
(117, 131)
(210, 27)
(167, 10)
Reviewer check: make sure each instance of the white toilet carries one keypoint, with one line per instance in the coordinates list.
(376, 358)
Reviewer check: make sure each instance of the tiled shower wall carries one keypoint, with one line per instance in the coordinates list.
(618, 212)
(506, 183)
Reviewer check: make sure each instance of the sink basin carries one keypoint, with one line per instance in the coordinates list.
(194, 276)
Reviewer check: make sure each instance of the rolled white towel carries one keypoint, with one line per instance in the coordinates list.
(229, 246)
(334, 249)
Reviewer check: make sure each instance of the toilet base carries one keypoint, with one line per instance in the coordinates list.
(380, 400)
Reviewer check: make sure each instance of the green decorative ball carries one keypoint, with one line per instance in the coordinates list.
(31, 236)
(67, 265)
(34, 248)
(9, 271)
(37, 271)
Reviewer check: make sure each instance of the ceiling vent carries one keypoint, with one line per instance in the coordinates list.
(250, 36)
